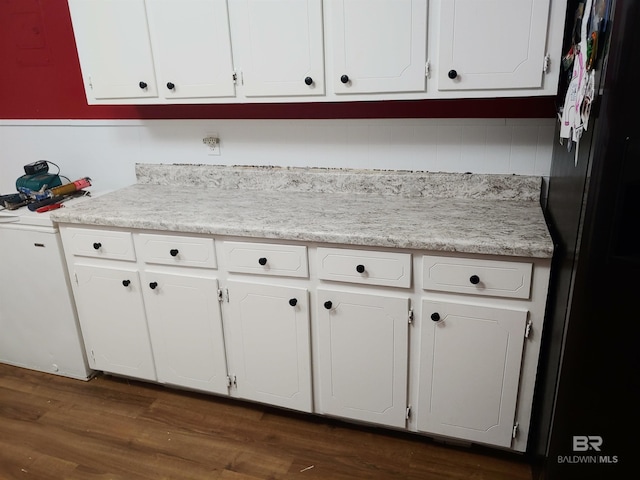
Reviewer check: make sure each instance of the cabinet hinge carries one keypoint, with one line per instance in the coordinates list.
(514, 432)
(545, 63)
(90, 82)
(408, 414)
(527, 329)
(427, 69)
(231, 381)
(93, 356)
(410, 316)
(223, 295)
(75, 275)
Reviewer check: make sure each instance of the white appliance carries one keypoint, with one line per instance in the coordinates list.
(39, 326)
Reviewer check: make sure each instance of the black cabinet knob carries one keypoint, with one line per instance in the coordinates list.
(435, 317)
(293, 302)
(97, 245)
(452, 74)
(262, 261)
(153, 285)
(173, 252)
(126, 283)
(170, 85)
(360, 268)
(142, 85)
(344, 78)
(475, 279)
(328, 305)
(308, 81)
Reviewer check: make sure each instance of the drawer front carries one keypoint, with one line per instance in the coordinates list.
(365, 267)
(477, 277)
(86, 242)
(176, 250)
(266, 259)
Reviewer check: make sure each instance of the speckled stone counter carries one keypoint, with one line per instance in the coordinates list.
(478, 214)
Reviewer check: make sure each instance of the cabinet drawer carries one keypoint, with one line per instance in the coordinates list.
(361, 266)
(266, 259)
(477, 277)
(87, 242)
(176, 250)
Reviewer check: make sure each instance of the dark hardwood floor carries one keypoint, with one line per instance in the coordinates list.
(112, 428)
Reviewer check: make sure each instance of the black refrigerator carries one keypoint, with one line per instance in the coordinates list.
(587, 402)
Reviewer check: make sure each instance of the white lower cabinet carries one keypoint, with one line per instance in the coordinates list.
(363, 352)
(269, 344)
(470, 358)
(113, 320)
(318, 329)
(185, 325)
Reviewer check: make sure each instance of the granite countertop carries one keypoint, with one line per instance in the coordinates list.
(468, 223)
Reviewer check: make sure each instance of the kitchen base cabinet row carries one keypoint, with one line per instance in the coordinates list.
(168, 328)
(353, 335)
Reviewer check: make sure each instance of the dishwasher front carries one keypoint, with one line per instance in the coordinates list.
(39, 326)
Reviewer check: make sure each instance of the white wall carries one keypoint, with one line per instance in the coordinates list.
(107, 150)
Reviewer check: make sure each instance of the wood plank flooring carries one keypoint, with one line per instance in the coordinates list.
(111, 428)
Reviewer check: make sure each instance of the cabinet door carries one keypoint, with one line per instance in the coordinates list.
(491, 44)
(186, 330)
(469, 371)
(114, 48)
(191, 48)
(270, 346)
(378, 45)
(280, 46)
(112, 318)
(363, 356)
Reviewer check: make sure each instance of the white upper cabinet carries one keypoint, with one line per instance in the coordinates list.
(113, 44)
(378, 45)
(280, 46)
(273, 51)
(191, 48)
(124, 45)
(492, 44)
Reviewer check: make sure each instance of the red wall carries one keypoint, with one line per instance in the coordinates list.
(40, 79)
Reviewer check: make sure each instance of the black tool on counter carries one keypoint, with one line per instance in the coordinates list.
(9, 197)
(55, 199)
(41, 166)
(14, 200)
(47, 201)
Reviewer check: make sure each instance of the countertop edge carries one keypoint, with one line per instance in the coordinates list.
(447, 245)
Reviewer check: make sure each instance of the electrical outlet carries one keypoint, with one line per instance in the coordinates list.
(212, 141)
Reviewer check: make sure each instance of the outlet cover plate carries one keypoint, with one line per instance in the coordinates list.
(212, 142)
